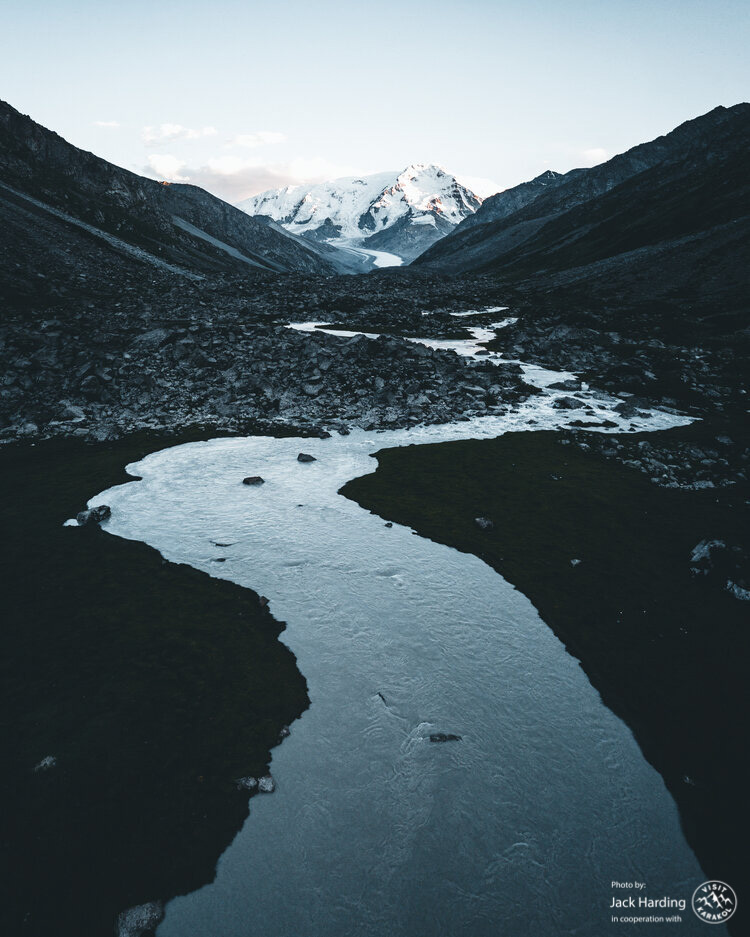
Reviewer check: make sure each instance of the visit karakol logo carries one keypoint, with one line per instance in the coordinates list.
(714, 902)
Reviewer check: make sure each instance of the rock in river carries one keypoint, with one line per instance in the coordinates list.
(253, 480)
(265, 785)
(568, 403)
(566, 385)
(94, 515)
(306, 457)
(140, 920)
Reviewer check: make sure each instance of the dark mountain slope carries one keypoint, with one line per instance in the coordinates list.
(682, 198)
(180, 224)
(505, 203)
(692, 225)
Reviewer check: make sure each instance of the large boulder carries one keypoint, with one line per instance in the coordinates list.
(704, 556)
(724, 565)
(70, 413)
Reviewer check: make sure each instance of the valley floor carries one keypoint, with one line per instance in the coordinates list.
(96, 354)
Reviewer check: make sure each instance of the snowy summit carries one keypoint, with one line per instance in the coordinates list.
(400, 213)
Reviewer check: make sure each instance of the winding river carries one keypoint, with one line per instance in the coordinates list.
(517, 829)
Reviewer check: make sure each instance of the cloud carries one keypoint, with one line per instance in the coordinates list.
(106, 123)
(165, 166)
(234, 178)
(171, 132)
(480, 186)
(228, 165)
(244, 182)
(595, 155)
(260, 138)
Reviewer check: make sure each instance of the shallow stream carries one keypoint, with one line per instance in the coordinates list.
(517, 829)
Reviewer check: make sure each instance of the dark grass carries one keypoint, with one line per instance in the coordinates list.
(667, 652)
(152, 684)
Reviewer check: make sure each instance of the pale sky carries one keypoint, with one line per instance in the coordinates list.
(243, 96)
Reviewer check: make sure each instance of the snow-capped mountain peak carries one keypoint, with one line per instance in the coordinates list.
(402, 212)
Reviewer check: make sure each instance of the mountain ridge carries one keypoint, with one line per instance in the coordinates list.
(618, 221)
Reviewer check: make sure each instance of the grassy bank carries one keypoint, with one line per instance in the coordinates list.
(151, 684)
(668, 651)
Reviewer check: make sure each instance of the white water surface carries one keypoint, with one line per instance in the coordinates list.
(479, 312)
(378, 258)
(383, 258)
(516, 830)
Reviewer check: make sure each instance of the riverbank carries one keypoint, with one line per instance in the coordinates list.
(605, 556)
(135, 692)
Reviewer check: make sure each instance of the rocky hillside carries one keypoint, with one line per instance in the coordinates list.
(109, 353)
(400, 213)
(179, 225)
(667, 219)
(505, 203)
